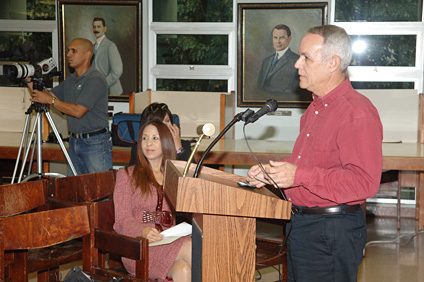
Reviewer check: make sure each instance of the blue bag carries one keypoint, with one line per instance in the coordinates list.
(125, 129)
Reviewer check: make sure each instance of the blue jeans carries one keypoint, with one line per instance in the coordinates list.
(89, 155)
(325, 248)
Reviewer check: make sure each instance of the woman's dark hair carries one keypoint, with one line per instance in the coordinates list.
(155, 111)
(143, 176)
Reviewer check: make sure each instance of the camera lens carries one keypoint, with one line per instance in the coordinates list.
(24, 71)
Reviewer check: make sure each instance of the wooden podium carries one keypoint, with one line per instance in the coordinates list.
(224, 220)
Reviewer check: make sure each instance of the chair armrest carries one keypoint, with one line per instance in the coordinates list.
(129, 247)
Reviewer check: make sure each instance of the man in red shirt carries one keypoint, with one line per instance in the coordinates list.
(335, 166)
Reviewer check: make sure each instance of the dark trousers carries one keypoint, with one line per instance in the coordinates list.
(325, 247)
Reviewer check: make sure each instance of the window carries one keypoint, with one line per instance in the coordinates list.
(384, 50)
(382, 85)
(193, 11)
(387, 38)
(192, 85)
(28, 10)
(27, 35)
(378, 11)
(192, 45)
(180, 49)
(26, 48)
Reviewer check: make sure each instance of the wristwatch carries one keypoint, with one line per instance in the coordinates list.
(53, 101)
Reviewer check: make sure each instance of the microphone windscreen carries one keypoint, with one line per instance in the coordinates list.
(208, 129)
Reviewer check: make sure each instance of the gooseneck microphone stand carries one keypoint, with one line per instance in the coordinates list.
(244, 116)
(36, 143)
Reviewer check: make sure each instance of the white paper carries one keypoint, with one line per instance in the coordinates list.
(173, 233)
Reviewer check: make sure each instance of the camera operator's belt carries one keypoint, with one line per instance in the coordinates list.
(89, 134)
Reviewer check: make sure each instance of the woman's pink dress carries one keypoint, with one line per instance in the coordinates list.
(129, 207)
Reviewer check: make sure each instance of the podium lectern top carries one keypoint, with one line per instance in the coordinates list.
(216, 192)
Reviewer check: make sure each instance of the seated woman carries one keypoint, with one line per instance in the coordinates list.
(161, 112)
(140, 208)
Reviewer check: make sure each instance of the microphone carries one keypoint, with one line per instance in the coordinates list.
(208, 129)
(270, 106)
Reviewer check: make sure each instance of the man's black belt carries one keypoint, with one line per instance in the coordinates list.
(89, 134)
(327, 210)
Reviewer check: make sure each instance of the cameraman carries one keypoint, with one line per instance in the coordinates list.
(83, 97)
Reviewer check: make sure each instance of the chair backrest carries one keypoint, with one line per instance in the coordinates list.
(15, 102)
(106, 213)
(45, 228)
(194, 109)
(22, 197)
(85, 187)
(399, 112)
(20, 230)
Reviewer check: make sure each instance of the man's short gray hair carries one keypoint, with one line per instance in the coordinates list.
(336, 43)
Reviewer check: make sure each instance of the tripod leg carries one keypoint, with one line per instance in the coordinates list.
(24, 137)
(31, 160)
(62, 146)
(36, 124)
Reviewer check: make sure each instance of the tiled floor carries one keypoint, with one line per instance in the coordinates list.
(389, 262)
(401, 261)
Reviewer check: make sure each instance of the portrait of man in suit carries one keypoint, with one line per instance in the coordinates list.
(107, 59)
(278, 76)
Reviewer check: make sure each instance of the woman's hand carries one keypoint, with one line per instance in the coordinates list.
(151, 234)
(175, 131)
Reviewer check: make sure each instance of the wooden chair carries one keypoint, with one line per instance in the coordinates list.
(21, 234)
(75, 189)
(90, 188)
(107, 241)
(84, 188)
(269, 253)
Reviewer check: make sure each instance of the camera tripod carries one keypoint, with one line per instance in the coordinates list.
(25, 145)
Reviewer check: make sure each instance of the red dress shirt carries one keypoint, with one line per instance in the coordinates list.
(338, 151)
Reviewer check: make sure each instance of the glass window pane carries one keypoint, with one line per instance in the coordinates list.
(382, 85)
(183, 49)
(383, 50)
(192, 11)
(17, 47)
(28, 10)
(378, 10)
(192, 85)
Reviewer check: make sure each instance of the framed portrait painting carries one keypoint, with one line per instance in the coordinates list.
(117, 54)
(269, 36)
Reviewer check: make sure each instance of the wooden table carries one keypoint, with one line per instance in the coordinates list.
(396, 156)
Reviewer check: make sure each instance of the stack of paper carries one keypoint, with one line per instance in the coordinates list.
(173, 233)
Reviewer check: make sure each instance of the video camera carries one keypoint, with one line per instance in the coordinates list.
(44, 68)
